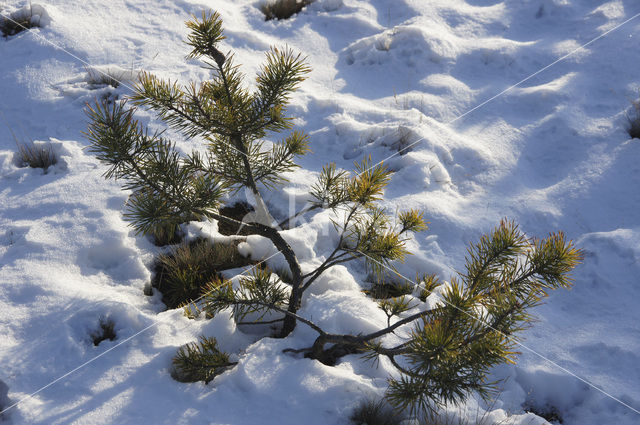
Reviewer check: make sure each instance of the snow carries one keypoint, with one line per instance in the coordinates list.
(552, 154)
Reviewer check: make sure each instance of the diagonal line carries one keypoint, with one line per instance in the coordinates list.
(57, 46)
(511, 338)
(119, 344)
(508, 89)
(77, 368)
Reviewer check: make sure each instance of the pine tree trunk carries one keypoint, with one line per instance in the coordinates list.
(274, 236)
(289, 323)
(266, 223)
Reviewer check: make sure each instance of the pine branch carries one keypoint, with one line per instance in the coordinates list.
(277, 79)
(205, 35)
(200, 361)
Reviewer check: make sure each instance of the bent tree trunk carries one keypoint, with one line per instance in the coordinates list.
(283, 246)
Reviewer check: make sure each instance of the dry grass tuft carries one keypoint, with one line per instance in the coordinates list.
(97, 78)
(104, 76)
(36, 155)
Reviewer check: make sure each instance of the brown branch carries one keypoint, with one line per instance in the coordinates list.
(287, 220)
(283, 311)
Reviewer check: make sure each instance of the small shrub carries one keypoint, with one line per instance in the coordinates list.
(371, 412)
(181, 275)
(34, 155)
(634, 120)
(106, 331)
(200, 361)
(283, 9)
(32, 16)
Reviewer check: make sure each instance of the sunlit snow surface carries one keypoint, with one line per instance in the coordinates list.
(552, 154)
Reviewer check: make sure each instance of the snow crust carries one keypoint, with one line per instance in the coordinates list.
(552, 154)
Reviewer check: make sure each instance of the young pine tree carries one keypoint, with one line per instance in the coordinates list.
(170, 188)
(447, 350)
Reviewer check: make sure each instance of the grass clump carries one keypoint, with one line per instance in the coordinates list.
(372, 412)
(200, 361)
(14, 25)
(283, 9)
(181, 274)
(97, 78)
(427, 283)
(108, 76)
(34, 155)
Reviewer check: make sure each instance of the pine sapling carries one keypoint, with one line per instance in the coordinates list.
(447, 351)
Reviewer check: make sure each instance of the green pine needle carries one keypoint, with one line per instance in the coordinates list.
(200, 361)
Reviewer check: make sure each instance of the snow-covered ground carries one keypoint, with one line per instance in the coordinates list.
(551, 153)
